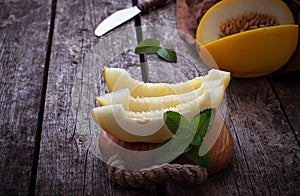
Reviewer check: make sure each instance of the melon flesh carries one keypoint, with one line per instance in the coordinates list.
(117, 79)
(214, 78)
(149, 126)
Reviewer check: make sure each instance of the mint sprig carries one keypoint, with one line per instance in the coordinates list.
(193, 131)
(152, 46)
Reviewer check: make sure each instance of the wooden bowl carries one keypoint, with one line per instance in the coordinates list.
(219, 137)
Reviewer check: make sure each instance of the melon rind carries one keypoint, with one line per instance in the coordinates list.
(252, 53)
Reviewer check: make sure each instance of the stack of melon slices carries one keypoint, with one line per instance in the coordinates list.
(133, 110)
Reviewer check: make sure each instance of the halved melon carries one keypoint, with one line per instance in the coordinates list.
(214, 78)
(117, 79)
(149, 126)
(249, 38)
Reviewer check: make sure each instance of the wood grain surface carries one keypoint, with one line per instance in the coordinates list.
(24, 30)
(51, 70)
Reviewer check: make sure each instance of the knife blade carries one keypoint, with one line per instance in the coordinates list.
(121, 16)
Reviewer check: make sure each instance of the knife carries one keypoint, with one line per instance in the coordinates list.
(124, 15)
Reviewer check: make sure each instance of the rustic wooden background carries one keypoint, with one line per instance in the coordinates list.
(46, 45)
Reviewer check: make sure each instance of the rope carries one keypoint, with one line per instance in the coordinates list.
(165, 173)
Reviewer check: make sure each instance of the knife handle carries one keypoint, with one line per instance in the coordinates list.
(146, 5)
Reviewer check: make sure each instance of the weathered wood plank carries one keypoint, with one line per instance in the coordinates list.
(287, 90)
(67, 164)
(265, 140)
(24, 27)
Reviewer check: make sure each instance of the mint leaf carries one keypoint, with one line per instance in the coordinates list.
(197, 140)
(147, 50)
(167, 54)
(203, 161)
(169, 46)
(202, 121)
(188, 148)
(183, 134)
(152, 46)
(149, 42)
(189, 136)
(173, 120)
(148, 46)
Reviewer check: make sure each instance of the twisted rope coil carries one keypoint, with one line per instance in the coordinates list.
(165, 173)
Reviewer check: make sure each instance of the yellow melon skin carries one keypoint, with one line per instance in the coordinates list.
(251, 53)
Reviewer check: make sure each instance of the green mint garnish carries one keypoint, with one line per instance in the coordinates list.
(203, 161)
(148, 46)
(193, 131)
(152, 46)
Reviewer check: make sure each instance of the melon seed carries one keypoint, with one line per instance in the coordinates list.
(245, 22)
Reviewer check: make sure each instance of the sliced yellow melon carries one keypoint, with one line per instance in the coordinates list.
(248, 38)
(117, 79)
(214, 78)
(149, 126)
(151, 103)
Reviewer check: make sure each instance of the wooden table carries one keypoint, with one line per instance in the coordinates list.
(43, 48)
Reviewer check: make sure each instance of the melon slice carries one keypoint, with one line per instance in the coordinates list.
(117, 79)
(214, 78)
(249, 38)
(149, 126)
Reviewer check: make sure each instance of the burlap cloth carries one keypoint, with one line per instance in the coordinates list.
(190, 12)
